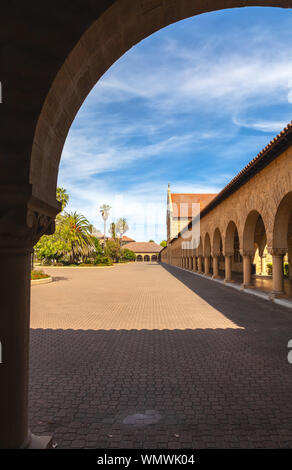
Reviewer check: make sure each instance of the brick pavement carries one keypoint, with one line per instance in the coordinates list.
(207, 362)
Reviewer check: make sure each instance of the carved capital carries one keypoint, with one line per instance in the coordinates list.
(24, 219)
(248, 253)
(277, 251)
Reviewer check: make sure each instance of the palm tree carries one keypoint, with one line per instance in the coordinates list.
(77, 232)
(63, 197)
(105, 210)
(113, 230)
(122, 227)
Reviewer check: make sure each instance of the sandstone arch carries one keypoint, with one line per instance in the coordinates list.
(115, 31)
(59, 66)
(281, 223)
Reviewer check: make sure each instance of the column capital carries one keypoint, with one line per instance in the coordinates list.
(216, 254)
(24, 218)
(277, 251)
(228, 253)
(249, 253)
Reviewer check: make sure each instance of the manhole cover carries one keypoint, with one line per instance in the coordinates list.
(139, 419)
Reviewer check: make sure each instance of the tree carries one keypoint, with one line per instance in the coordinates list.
(63, 197)
(76, 231)
(113, 230)
(105, 210)
(164, 243)
(122, 227)
(128, 255)
(97, 246)
(151, 241)
(113, 250)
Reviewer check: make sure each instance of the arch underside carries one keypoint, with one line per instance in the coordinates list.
(122, 25)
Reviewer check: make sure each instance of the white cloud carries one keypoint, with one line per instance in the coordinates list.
(186, 97)
(264, 126)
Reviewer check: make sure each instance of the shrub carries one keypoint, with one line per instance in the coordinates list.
(269, 269)
(38, 275)
(128, 255)
(285, 269)
(103, 261)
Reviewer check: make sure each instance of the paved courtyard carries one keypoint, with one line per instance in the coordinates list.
(146, 356)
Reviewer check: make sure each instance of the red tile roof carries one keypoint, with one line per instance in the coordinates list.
(144, 247)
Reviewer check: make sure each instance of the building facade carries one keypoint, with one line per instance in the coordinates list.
(145, 251)
(247, 221)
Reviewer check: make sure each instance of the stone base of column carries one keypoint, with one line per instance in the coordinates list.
(208, 275)
(246, 286)
(216, 276)
(277, 295)
(38, 442)
(228, 281)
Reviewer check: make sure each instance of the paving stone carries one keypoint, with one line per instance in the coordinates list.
(107, 344)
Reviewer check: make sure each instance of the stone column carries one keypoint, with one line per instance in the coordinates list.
(200, 264)
(194, 263)
(215, 267)
(207, 266)
(228, 275)
(278, 272)
(247, 270)
(21, 225)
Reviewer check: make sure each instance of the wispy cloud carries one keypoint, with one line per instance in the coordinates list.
(190, 105)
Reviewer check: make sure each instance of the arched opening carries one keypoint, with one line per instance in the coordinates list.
(208, 269)
(118, 29)
(154, 258)
(64, 88)
(255, 262)
(146, 258)
(200, 256)
(218, 256)
(282, 248)
(139, 258)
(233, 258)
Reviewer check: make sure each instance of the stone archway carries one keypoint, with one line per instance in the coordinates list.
(282, 242)
(231, 249)
(217, 253)
(207, 254)
(254, 241)
(40, 105)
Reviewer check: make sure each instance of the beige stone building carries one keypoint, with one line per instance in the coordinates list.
(247, 226)
(181, 208)
(145, 251)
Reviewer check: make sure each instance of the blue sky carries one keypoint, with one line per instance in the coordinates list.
(191, 105)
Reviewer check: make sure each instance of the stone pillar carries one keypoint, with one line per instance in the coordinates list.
(228, 275)
(207, 266)
(194, 263)
(200, 264)
(278, 272)
(247, 270)
(21, 226)
(215, 267)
